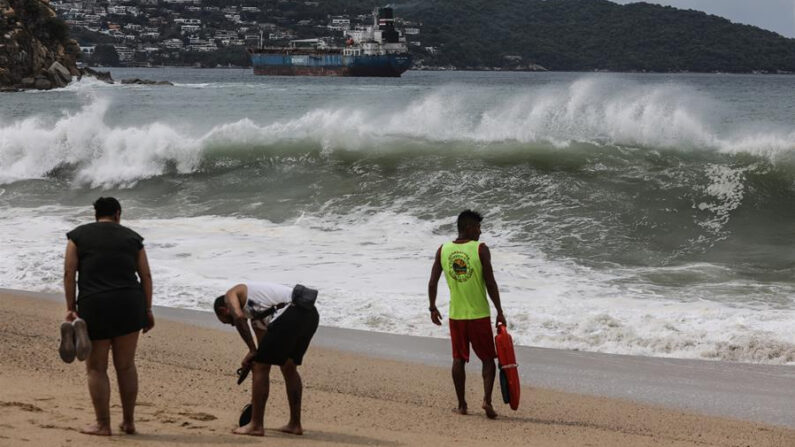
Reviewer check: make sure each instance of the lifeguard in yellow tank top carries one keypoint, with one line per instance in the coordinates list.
(466, 264)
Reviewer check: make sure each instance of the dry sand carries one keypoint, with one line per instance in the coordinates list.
(189, 396)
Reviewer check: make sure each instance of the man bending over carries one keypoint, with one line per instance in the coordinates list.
(284, 320)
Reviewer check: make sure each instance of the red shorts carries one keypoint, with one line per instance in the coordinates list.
(478, 333)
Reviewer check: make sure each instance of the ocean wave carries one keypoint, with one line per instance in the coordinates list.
(754, 348)
(104, 155)
(381, 286)
(691, 332)
(444, 122)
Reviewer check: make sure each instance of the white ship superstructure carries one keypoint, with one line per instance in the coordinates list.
(380, 38)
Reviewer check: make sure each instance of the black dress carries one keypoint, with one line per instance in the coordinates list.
(110, 298)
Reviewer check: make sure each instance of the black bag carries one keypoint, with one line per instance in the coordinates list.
(304, 297)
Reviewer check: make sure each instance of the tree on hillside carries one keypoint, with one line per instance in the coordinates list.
(105, 55)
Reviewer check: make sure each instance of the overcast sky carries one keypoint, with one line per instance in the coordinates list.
(774, 15)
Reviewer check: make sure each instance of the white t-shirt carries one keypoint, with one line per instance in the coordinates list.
(262, 296)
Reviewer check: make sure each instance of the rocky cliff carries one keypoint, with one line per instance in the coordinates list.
(35, 48)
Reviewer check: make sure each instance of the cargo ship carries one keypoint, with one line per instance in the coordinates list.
(377, 50)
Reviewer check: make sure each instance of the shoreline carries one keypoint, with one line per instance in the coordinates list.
(488, 69)
(188, 395)
(751, 392)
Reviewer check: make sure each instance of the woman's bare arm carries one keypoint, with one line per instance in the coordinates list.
(146, 283)
(70, 280)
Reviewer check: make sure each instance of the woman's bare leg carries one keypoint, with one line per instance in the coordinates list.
(99, 387)
(124, 362)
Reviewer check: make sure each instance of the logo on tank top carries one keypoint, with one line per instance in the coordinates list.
(460, 267)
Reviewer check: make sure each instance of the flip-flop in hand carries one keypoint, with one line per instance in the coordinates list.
(242, 373)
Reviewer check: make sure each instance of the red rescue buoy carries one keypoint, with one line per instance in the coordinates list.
(509, 372)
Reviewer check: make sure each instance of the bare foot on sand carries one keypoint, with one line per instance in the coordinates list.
(96, 429)
(127, 427)
(460, 410)
(250, 430)
(292, 429)
(490, 413)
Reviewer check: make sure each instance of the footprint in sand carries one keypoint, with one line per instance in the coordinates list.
(199, 416)
(22, 406)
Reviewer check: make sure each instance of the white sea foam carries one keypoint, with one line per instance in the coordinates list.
(105, 155)
(587, 110)
(725, 192)
(88, 84)
(376, 280)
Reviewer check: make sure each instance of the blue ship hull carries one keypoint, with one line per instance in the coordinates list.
(288, 62)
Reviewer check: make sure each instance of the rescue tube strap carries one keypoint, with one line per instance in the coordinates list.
(512, 365)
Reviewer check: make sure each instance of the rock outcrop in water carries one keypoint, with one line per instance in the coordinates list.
(103, 76)
(35, 48)
(138, 81)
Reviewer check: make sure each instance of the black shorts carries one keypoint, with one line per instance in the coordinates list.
(114, 313)
(288, 336)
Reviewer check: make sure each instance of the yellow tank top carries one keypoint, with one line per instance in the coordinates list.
(464, 274)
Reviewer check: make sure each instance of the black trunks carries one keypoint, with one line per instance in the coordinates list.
(288, 336)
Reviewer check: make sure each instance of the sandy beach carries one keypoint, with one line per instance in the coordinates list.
(188, 396)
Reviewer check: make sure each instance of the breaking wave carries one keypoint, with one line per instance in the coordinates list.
(445, 122)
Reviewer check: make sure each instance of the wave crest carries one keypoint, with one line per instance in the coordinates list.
(589, 110)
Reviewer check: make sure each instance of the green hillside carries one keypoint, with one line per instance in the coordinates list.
(593, 35)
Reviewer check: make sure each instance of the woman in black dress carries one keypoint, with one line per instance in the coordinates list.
(115, 300)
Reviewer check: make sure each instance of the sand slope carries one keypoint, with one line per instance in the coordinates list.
(189, 397)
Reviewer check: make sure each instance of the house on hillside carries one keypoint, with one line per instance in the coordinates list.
(339, 23)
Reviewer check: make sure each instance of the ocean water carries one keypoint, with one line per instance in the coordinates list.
(638, 214)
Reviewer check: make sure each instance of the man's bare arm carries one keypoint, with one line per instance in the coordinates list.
(491, 283)
(234, 300)
(433, 287)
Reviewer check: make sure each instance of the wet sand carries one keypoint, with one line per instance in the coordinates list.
(353, 395)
